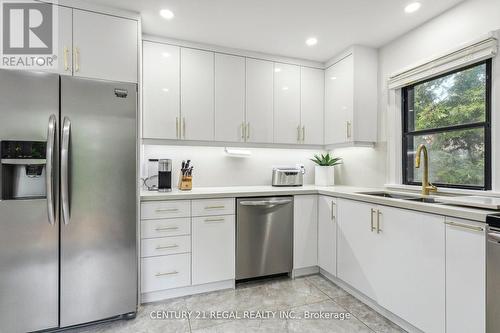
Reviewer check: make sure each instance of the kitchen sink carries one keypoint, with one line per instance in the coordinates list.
(390, 195)
(426, 200)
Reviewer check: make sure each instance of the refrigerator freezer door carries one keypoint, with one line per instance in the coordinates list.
(98, 236)
(29, 243)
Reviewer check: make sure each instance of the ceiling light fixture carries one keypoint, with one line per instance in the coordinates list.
(165, 54)
(412, 7)
(311, 41)
(167, 14)
(277, 69)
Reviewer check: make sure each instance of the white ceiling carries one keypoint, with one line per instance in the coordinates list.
(281, 26)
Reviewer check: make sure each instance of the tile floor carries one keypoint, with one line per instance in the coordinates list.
(299, 297)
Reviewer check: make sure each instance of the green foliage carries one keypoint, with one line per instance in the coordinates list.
(326, 160)
(456, 157)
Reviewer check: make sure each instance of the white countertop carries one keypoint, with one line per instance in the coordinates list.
(347, 192)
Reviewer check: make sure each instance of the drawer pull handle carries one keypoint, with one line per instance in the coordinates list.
(166, 273)
(214, 220)
(167, 210)
(165, 247)
(465, 226)
(166, 228)
(215, 207)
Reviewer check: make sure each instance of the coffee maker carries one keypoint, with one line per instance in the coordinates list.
(164, 175)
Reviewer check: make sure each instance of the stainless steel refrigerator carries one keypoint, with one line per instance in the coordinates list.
(68, 200)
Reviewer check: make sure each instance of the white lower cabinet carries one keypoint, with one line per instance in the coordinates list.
(397, 258)
(213, 249)
(465, 276)
(165, 272)
(327, 234)
(305, 231)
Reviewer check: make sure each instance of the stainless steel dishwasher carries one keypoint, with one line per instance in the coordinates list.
(264, 236)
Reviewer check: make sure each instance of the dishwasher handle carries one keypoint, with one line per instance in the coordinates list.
(494, 237)
(266, 203)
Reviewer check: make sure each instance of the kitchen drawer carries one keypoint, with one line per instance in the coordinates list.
(165, 209)
(165, 227)
(165, 245)
(210, 207)
(165, 272)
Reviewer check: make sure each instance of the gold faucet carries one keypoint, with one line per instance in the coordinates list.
(427, 187)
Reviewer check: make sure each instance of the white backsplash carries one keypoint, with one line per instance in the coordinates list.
(213, 167)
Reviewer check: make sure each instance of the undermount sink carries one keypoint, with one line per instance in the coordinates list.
(402, 197)
(390, 195)
(426, 200)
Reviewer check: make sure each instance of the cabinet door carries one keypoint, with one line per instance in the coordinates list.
(213, 249)
(161, 99)
(411, 267)
(327, 234)
(197, 94)
(65, 42)
(286, 103)
(106, 46)
(312, 92)
(357, 246)
(305, 231)
(229, 98)
(339, 96)
(465, 277)
(259, 100)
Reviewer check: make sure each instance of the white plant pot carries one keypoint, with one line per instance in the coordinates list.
(324, 175)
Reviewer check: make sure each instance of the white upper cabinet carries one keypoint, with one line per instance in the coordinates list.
(312, 92)
(287, 127)
(259, 100)
(465, 276)
(104, 47)
(327, 234)
(161, 98)
(197, 94)
(229, 98)
(65, 42)
(305, 231)
(351, 98)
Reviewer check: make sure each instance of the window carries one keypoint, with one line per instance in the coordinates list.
(450, 115)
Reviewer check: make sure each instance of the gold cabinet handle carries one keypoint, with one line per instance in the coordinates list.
(66, 64)
(372, 227)
(215, 207)
(333, 210)
(348, 129)
(183, 127)
(298, 133)
(77, 59)
(177, 127)
(378, 221)
(166, 228)
(242, 131)
(303, 134)
(247, 130)
(215, 220)
(165, 247)
(159, 210)
(166, 273)
(465, 226)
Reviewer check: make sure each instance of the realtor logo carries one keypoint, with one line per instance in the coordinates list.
(28, 34)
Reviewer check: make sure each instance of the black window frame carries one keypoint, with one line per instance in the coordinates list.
(485, 124)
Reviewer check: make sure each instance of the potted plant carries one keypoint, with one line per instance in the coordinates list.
(324, 170)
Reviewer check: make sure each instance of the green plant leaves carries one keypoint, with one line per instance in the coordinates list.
(326, 160)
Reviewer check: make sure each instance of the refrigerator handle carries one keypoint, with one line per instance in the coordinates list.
(49, 168)
(64, 169)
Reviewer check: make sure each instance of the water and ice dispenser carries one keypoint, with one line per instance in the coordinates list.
(23, 166)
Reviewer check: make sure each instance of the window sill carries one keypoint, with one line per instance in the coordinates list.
(443, 190)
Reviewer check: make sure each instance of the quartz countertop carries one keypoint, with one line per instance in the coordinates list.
(347, 192)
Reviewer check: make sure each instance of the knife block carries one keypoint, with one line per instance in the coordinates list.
(185, 183)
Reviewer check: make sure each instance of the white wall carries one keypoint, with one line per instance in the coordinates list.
(463, 23)
(212, 167)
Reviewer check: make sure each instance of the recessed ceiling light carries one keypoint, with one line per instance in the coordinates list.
(412, 7)
(165, 54)
(277, 69)
(167, 14)
(165, 89)
(285, 88)
(311, 41)
(333, 78)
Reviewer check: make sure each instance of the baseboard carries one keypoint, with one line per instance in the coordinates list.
(161, 295)
(305, 271)
(371, 303)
